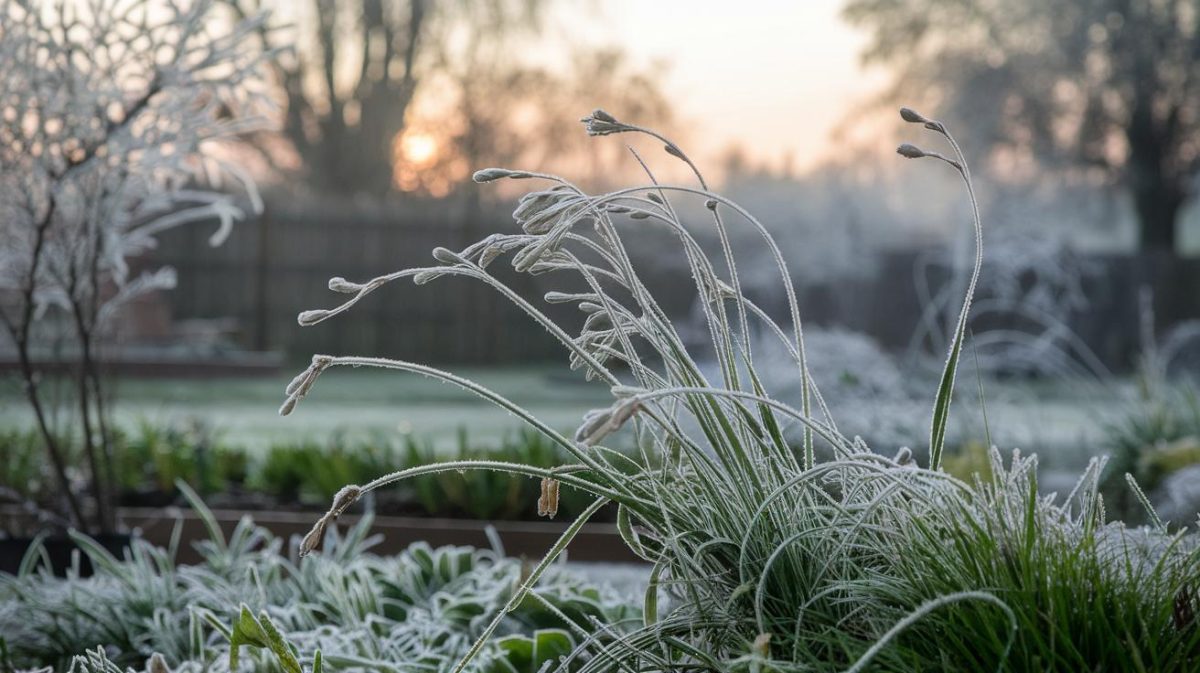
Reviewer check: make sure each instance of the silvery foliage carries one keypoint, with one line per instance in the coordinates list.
(755, 539)
(110, 114)
(416, 611)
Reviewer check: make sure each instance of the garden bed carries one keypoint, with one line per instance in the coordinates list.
(596, 542)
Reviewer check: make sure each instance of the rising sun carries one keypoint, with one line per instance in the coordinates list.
(418, 148)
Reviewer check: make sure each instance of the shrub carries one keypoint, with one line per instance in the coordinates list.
(773, 559)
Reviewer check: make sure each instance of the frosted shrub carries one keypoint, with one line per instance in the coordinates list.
(111, 117)
(772, 559)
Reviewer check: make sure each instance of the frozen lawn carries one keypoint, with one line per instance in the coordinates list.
(346, 401)
(1053, 420)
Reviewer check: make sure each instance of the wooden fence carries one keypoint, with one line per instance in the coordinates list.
(278, 265)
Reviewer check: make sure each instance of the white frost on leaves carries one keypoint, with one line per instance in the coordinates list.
(109, 135)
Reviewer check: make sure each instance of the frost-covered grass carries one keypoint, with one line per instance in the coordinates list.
(775, 558)
(362, 404)
(415, 612)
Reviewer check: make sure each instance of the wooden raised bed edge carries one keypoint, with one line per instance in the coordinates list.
(597, 542)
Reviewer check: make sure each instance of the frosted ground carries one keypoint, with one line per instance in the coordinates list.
(1062, 422)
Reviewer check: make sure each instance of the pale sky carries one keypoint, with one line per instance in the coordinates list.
(775, 77)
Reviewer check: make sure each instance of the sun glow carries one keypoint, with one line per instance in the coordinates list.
(421, 162)
(418, 148)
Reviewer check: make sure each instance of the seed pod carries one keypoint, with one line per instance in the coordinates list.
(603, 116)
(447, 256)
(548, 501)
(490, 174)
(339, 284)
(156, 664)
(556, 297)
(345, 497)
(711, 204)
(912, 116)
(653, 196)
(762, 645)
(674, 151)
(910, 151)
(307, 318)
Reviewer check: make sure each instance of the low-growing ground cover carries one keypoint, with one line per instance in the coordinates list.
(414, 612)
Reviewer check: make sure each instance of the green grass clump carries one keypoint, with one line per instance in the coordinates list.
(764, 557)
(1159, 433)
(153, 458)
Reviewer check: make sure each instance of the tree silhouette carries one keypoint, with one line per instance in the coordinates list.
(1105, 86)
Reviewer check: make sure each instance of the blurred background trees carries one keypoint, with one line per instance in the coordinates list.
(1107, 89)
(410, 95)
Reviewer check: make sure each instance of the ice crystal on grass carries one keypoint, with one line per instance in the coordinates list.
(773, 559)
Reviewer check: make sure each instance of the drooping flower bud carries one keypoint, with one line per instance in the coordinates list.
(910, 151)
(308, 318)
(490, 174)
(603, 116)
(447, 256)
(600, 123)
(345, 497)
(912, 116)
(339, 284)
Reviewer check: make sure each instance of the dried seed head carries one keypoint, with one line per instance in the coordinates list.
(674, 151)
(447, 256)
(548, 500)
(603, 116)
(555, 297)
(345, 497)
(341, 500)
(157, 664)
(494, 250)
(912, 116)
(303, 382)
(532, 203)
(490, 174)
(653, 196)
(711, 204)
(910, 151)
(590, 307)
(313, 538)
(600, 123)
(600, 423)
(762, 645)
(903, 456)
(339, 284)
(308, 318)
(639, 215)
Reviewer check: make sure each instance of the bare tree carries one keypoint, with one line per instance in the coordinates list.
(1111, 86)
(110, 112)
(355, 69)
